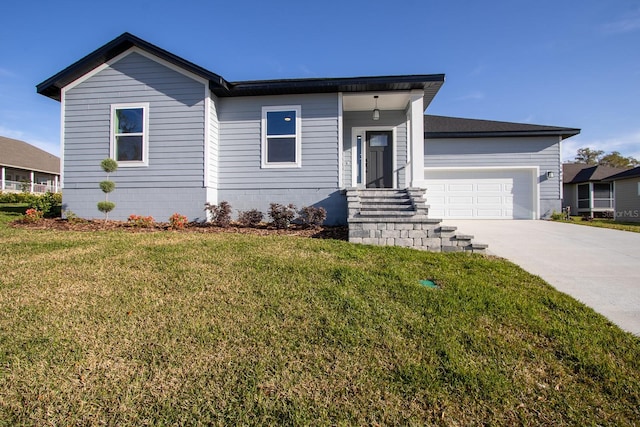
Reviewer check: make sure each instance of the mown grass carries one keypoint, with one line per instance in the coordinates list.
(186, 328)
(605, 223)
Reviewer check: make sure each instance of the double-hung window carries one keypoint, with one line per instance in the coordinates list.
(281, 141)
(129, 134)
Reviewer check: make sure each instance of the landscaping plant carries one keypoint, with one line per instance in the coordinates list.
(250, 218)
(109, 166)
(312, 216)
(220, 214)
(141, 221)
(33, 215)
(281, 215)
(177, 221)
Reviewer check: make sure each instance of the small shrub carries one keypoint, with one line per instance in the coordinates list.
(141, 221)
(250, 218)
(312, 217)
(33, 215)
(220, 214)
(44, 202)
(107, 186)
(557, 216)
(281, 215)
(106, 206)
(177, 221)
(71, 217)
(15, 197)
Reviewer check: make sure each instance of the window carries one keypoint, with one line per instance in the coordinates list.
(602, 195)
(281, 142)
(584, 196)
(129, 134)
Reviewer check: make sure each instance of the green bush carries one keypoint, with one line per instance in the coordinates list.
(106, 206)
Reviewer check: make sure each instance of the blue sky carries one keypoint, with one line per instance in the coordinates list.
(573, 63)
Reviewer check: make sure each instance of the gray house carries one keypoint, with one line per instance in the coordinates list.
(626, 190)
(183, 136)
(587, 191)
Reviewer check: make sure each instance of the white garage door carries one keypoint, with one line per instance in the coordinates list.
(481, 194)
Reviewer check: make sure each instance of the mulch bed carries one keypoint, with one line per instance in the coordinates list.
(337, 233)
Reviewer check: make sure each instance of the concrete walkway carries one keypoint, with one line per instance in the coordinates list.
(599, 267)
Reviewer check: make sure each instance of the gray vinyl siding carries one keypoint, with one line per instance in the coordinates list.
(240, 144)
(176, 131)
(246, 185)
(176, 125)
(627, 200)
(570, 198)
(363, 119)
(543, 152)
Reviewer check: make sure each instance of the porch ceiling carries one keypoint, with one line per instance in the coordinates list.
(366, 101)
(387, 100)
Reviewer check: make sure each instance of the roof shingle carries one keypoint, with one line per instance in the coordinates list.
(456, 127)
(19, 154)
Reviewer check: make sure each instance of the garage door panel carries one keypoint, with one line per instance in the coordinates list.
(460, 187)
(482, 194)
(490, 187)
(460, 200)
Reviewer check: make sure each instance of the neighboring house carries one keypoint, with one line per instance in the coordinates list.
(24, 167)
(183, 136)
(586, 191)
(626, 191)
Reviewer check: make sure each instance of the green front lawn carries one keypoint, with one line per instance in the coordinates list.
(173, 328)
(605, 223)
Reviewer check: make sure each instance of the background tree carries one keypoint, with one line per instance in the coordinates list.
(588, 156)
(105, 206)
(614, 159)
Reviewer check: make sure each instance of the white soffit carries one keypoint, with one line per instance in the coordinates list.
(366, 101)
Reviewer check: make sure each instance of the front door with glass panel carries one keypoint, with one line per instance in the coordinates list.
(379, 159)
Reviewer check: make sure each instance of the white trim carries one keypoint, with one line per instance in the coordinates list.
(354, 153)
(207, 120)
(534, 179)
(63, 103)
(145, 134)
(340, 141)
(298, 136)
(2, 175)
(416, 138)
(128, 52)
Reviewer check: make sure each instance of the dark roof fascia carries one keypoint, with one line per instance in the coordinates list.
(564, 133)
(53, 85)
(329, 85)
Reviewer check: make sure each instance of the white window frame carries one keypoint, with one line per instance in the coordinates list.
(298, 136)
(144, 134)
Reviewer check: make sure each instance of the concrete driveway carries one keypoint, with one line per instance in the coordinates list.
(597, 266)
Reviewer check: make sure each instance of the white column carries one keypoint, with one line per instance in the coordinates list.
(32, 179)
(2, 178)
(417, 139)
(56, 185)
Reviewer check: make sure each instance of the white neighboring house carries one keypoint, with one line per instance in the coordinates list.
(27, 168)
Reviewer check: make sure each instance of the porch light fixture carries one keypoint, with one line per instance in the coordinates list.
(550, 174)
(376, 112)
